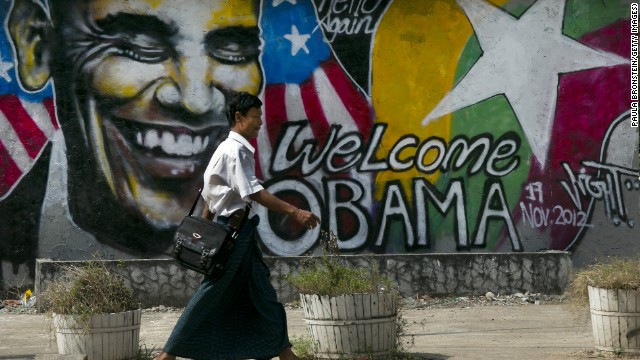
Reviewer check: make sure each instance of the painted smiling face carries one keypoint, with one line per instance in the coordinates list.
(141, 89)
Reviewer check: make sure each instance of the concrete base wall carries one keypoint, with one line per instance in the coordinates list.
(163, 282)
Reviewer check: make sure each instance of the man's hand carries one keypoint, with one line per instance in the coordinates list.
(306, 218)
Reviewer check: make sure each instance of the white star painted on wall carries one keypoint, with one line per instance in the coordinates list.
(298, 41)
(522, 59)
(278, 2)
(5, 66)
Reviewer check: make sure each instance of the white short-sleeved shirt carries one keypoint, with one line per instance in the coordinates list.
(230, 176)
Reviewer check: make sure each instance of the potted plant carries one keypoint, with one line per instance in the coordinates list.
(612, 289)
(350, 311)
(93, 312)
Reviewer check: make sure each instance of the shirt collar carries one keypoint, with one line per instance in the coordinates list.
(239, 138)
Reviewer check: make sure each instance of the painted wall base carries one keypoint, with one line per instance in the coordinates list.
(163, 282)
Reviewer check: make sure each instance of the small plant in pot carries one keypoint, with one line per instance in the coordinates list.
(351, 312)
(93, 312)
(611, 288)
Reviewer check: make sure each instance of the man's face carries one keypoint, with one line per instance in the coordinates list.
(249, 125)
(150, 81)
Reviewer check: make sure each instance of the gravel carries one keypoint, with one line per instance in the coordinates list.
(415, 302)
(489, 299)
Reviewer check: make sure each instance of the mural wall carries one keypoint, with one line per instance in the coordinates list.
(408, 126)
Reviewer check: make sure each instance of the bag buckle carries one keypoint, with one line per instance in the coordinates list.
(204, 259)
(178, 248)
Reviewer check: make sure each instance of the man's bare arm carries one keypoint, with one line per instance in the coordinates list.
(206, 213)
(271, 202)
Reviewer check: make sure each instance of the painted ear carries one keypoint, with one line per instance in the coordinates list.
(30, 28)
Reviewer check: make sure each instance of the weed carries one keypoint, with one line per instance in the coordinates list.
(304, 347)
(404, 340)
(144, 353)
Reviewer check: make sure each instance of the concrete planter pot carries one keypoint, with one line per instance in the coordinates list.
(112, 336)
(351, 325)
(615, 317)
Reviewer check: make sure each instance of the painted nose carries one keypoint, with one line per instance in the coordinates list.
(192, 89)
(197, 92)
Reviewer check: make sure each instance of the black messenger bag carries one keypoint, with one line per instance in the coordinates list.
(205, 246)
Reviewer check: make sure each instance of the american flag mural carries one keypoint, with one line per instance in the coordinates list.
(27, 120)
(25, 129)
(304, 81)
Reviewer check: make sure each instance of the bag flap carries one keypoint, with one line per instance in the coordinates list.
(198, 234)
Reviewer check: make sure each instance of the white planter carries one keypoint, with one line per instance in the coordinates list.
(110, 336)
(351, 325)
(615, 317)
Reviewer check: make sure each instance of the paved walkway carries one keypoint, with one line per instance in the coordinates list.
(537, 332)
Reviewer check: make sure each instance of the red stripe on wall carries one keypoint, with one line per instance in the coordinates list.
(9, 171)
(28, 131)
(50, 106)
(315, 113)
(275, 110)
(354, 101)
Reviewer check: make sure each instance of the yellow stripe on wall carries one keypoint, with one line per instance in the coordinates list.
(415, 55)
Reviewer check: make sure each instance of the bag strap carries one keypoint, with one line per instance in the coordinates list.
(193, 207)
(244, 218)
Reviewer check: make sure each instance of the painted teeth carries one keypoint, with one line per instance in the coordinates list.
(181, 144)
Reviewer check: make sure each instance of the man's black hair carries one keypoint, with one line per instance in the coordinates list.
(241, 102)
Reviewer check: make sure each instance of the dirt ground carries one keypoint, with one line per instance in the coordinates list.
(513, 327)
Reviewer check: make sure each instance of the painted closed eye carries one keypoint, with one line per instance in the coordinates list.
(142, 38)
(142, 54)
(228, 57)
(142, 49)
(233, 45)
(233, 55)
